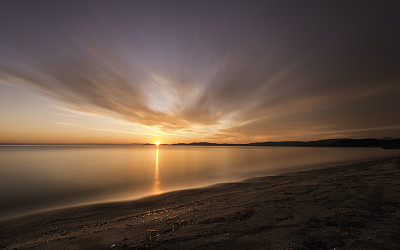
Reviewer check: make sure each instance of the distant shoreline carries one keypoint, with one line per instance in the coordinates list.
(389, 143)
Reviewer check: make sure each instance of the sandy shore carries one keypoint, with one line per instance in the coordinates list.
(345, 207)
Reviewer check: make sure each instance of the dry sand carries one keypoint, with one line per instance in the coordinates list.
(346, 207)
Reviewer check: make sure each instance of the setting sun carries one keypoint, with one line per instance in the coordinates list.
(157, 143)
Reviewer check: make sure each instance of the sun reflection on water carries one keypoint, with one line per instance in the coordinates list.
(156, 182)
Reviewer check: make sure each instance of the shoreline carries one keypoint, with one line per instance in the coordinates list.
(355, 205)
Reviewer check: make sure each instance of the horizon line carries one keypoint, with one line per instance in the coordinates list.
(187, 143)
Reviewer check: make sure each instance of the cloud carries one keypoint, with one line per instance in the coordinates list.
(100, 83)
(243, 99)
(239, 73)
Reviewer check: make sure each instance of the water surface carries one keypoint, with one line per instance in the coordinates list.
(36, 178)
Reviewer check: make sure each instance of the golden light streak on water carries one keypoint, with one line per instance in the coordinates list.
(156, 183)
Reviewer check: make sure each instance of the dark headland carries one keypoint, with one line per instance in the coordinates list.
(385, 143)
(354, 206)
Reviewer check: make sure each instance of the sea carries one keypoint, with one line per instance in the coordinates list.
(38, 178)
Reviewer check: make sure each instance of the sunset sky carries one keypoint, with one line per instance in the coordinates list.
(183, 71)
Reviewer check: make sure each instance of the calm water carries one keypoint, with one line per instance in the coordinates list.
(35, 178)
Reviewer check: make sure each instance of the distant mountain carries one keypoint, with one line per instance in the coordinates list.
(387, 138)
(199, 144)
(376, 143)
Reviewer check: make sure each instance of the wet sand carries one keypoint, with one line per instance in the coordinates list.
(354, 206)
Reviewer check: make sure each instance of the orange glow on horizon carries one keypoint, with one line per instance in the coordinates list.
(157, 143)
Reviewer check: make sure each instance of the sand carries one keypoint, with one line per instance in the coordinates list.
(355, 206)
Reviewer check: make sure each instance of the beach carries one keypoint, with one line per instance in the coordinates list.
(355, 206)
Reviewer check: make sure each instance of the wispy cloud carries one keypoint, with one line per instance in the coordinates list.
(103, 129)
(246, 76)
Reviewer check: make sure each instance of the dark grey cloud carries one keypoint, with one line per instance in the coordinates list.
(256, 69)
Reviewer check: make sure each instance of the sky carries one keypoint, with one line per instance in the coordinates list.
(182, 71)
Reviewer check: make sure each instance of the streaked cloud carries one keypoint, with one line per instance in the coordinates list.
(241, 74)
